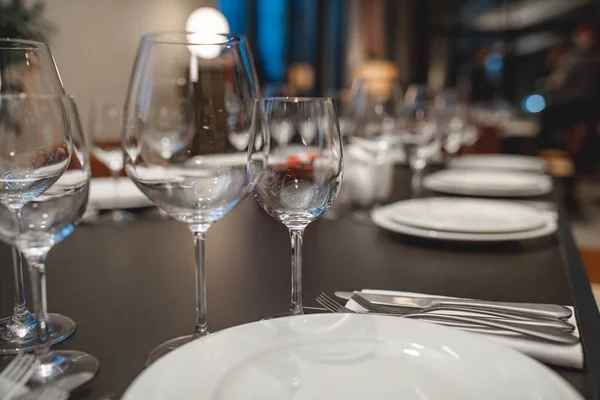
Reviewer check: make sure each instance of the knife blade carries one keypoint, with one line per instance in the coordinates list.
(537, 309)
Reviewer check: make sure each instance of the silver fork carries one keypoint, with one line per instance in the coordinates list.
(331, 305)
(14, 377)
(531, 329)
(53, 393)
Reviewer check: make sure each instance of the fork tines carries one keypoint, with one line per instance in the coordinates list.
(331, 305)
(16, 374)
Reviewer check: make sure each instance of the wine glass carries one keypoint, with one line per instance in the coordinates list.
(302, 179)
(209, 84)
(374, 107)
(420, 135)
(105, 134)
(26, 69)
(44, 222)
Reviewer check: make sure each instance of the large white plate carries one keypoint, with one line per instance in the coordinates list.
(500, 161)
(488, 183)
(466, 215)
(350, 357)
(382, 218)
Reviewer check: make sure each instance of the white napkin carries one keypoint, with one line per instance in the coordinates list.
(561, 355)
(106, 194)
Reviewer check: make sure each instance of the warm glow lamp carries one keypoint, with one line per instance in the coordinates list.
(204, 24)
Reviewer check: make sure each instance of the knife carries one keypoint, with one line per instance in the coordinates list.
(536, 309)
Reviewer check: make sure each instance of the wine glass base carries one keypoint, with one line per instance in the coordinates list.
(60, 328)
(166, 347)
(68, 370)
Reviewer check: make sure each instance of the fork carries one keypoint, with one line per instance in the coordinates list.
(53, 393)
(331, 305)
(14, 377)
(531, 329)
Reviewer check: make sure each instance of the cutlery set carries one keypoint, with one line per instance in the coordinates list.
(541, 321)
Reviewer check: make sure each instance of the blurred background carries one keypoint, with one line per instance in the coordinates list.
(528, 70)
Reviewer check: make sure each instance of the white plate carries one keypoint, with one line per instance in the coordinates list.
(350, 357)
(500, 161)
(382, 218)
(105, 194)
(466, 215)
(488, 183)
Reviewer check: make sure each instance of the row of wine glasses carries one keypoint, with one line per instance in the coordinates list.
(383, 120)
(45, 185)
(220, 143)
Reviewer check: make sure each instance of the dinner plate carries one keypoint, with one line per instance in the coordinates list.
(500, 161)
(346, 356)
(492, 183)
(382, 218)
(466, 215)
(107, 194)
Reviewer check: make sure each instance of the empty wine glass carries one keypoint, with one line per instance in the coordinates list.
(420, 136)
(302, 178)
(209, 85)
(26, 69)
(374, 143)
(44, 222)
(105, 134)
(374, 107)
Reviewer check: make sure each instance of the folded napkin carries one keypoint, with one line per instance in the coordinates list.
(561, 355)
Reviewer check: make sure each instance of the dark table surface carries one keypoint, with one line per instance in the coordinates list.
(130, 286)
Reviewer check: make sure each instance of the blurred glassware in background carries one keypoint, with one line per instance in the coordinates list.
(30, 161)
(420, 135)
(105, 137)
(302, 178)
(44, 222)
(341, 99)
(374, 107)
(200, 91)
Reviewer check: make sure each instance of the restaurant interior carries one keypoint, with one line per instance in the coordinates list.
(435, 164)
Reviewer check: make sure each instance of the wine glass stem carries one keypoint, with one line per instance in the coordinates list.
(37, 271)
(201, 318)
(417, 181)
(20, 306)
(296, 236)
(115, 181)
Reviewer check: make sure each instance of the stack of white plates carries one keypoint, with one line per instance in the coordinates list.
(489, 183)
(350, 357)
(477, 220)
(507, 162)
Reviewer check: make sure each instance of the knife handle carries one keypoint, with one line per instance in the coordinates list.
(544, 310)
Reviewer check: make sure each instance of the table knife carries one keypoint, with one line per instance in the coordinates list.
(536, 309)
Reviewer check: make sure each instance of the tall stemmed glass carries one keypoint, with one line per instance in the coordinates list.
(374, 107)
(199, 163)
(302, 178)
(45, 221)
(27, 70)
(105, 136)
(420, 135)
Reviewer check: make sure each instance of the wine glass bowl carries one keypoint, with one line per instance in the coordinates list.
(302, 177)
(187, 137)
(34, 150)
